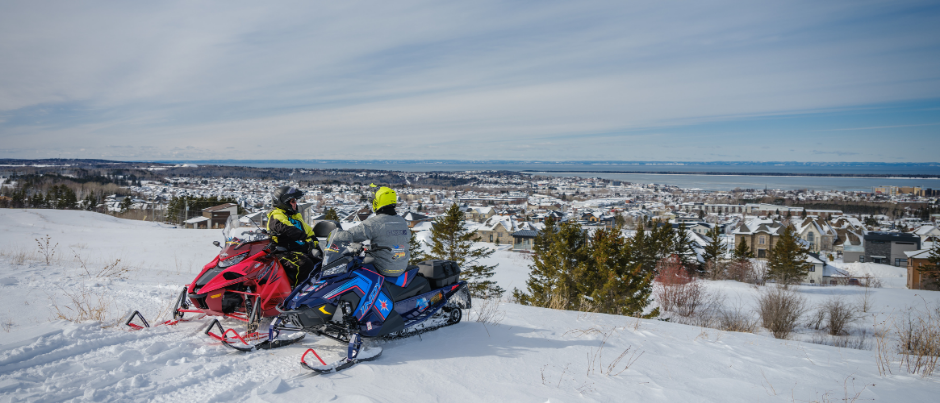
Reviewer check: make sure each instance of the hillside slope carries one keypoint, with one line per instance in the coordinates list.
(525, 354)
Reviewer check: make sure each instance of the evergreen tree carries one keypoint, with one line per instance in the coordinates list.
(615, 283)
(682, 246)
(69, 199)
(931, 270)
(619, 220)
(742, 251)
(126, 204)
(332, 216)
(37, 201)
(414, 247)
(558, 249)
(786, 262)
(647, 250)
(452, 240)
(714, 249)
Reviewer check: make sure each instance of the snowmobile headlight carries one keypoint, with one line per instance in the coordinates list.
(232, 260)
(337, 267)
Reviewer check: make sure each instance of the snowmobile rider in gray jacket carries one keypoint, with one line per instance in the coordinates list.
(385, 229)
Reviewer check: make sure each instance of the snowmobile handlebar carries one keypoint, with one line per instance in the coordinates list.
(356, 248)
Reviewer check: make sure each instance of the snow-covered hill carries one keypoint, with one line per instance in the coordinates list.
(525, 354)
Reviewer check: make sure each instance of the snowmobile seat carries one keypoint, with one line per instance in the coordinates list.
(417, 285)
(323, 228)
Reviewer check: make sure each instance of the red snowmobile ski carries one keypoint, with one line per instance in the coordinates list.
(245, 282)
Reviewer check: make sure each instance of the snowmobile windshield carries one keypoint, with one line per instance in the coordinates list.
(237, 231)
(335, 250)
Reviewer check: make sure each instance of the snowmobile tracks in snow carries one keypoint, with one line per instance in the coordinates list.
(84, 361)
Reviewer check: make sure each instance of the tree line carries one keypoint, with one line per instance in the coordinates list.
(177, 207)
(57, 192)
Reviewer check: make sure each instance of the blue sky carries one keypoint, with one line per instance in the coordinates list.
(525, 80)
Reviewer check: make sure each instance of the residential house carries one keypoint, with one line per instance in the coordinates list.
(478, 213)
(851, 246)
(413, 218)
(760, 234)
(497, 230)
(557, 216)
(928, 233)
(218, 215)
(700, 228)
(889, 247)
(523, 240)
(915, 280)
(816, 271)
(818, 233)
(358, 215)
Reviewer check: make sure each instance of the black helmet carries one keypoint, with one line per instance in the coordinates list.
(282, 196)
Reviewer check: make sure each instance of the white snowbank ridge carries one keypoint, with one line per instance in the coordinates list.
(531, 355)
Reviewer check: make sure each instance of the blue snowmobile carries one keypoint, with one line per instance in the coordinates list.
(346, 300)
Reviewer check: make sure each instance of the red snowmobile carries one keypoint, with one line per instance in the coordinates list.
(245, 282)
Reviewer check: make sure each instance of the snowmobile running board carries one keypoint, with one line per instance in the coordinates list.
(245, 347)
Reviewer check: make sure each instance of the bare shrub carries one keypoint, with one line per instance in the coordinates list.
(487, 311)
(865, 301)
(558, 300)
(676, 290)
(46, 249)
(7, 324)
(780, 310)
(741, 270)
(736, 319)
(595, 359)
(18, 255)
(860, 341)
(759, 272)
(839, 314)
(919, 341)
(112, 269)
(716, 270)
(84, 305)
(869, 281)
(818, 317)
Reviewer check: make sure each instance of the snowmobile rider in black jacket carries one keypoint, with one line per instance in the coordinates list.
(385, 229)
(289, 231)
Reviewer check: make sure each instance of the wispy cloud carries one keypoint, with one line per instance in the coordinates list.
(880, 127)
(839, 153)
(554, 80)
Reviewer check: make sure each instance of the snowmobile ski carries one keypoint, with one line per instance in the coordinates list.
(230, 340)
(322, 367)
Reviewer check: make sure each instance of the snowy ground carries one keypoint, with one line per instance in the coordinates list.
(530, 355)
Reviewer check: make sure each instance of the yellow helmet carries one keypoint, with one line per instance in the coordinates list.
(383, 197)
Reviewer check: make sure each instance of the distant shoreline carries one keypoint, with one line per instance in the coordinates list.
(772, 174)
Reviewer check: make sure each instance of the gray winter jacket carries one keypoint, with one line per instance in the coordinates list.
(383, 230)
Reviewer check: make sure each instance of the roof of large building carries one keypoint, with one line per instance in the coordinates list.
(891, 236)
